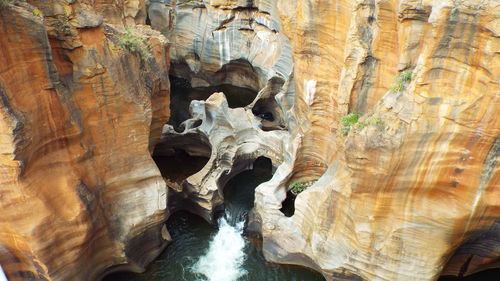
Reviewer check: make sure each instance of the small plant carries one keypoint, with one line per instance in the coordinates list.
(377, 122)
(402, 81)
(190, 1)
(347, 121)
(36, 12)
(135, 44)
(406, 75)
(298, 187)
(361, 125)
(5, 3)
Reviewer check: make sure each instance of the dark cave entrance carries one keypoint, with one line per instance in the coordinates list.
(269, 113)
(182, 93)
(239, 190)
(179, 165)
(181, 156)
(288, 205)
(267, 108)
(487, 275)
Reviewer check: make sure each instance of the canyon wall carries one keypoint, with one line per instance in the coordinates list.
(412, 191)
(79, 116)
(409, 192)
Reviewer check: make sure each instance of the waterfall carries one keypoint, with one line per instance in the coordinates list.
(2, 275)
(225, 256)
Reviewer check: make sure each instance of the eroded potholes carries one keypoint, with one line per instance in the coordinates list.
(183, 93)
(201, 251)
(216, 149)
(181, 156)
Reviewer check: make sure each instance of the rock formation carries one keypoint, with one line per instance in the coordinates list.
(418, 195)
(79, 115)
(235, 139)
(410, 191)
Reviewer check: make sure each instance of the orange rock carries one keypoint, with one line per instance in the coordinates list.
(399, 200)
(79, 115)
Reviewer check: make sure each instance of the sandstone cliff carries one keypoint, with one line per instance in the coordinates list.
(79, 191)
(411, 192)
(408, 192)
(417, 195)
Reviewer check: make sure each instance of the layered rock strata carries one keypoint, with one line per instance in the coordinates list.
(237, 43)
(409, 193)
(79, 116)
(412, 191)
(216, 44)
(206, 35)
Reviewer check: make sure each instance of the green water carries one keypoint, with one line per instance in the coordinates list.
(192, 236)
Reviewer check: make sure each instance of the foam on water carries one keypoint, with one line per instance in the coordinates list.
(2, 275)
(225, 256)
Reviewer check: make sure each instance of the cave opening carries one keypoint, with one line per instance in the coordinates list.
(288, 205)
(181, 156)
(486, 275)
(182, 93)
(196, 242)
(267, 109)
(239, 190)
(269, 113)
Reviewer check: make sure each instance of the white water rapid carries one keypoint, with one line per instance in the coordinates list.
(226, 254)
(2, 275)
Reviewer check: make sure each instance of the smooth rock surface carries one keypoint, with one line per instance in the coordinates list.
(418, 196)
(410, 193)
(79, 115)
(207, 35)
(235, 139)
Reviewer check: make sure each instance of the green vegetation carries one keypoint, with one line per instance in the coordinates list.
(379, 123)
(4, 3)
(402, 81)
(298, 187)
(406, 75)
(135, 44)
(347, 121)
(36, 12)
(351, 120)
(190, 1)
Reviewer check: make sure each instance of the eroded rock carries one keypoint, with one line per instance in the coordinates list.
(391, 202)
(235, 139)
(80, 193)
(409, 194)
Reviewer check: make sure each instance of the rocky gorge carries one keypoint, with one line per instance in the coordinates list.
(115, 114)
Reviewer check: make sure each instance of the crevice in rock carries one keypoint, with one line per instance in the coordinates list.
(288, 205)
(486, 275)
(268, 112)
(267, 109)
(239, 201)
(182, 156)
